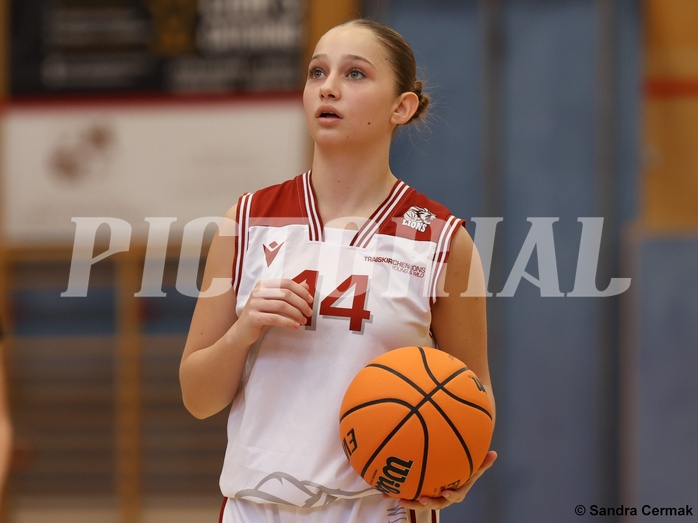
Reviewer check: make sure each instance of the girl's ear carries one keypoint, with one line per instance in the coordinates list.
(405, 108)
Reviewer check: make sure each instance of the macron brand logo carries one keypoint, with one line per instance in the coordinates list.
(418, 218)
(271, 251)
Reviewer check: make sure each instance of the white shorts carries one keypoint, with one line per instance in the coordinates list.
(370, 509)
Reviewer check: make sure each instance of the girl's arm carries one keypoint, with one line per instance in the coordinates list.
(459, 317)
(218, 341)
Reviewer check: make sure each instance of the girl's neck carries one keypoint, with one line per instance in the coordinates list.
(350, 185)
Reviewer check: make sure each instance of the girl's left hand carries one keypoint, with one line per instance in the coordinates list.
(448, 497)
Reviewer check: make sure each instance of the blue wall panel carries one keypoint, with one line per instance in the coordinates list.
(547, 379)
(662, 409)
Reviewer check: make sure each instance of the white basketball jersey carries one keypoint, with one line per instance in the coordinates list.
(373, 290)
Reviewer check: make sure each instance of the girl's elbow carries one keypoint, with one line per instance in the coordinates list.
(198, 409)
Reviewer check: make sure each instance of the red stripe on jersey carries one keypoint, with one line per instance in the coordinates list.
(220, 517)
(434, 516)
(384, 211)
(444, 241)
(242, 217)
(315, 225)
(443, 248)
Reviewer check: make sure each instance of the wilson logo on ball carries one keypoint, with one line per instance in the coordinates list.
(394, 475)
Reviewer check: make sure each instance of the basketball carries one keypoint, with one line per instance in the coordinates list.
(415, 421)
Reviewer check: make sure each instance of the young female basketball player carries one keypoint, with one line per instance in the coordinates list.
(329, 270)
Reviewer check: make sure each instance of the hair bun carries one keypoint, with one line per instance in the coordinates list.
(423, 99)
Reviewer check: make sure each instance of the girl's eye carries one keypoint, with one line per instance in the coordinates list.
(355, 74)
(315, 73)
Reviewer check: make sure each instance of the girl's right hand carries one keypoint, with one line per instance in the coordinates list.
(274, 303)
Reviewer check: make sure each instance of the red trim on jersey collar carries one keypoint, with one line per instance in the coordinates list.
(382, 214)
(363, 236)
(315, 226)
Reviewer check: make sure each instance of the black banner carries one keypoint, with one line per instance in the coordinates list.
(155, 46)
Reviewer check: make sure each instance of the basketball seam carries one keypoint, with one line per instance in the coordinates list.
(442, 386)
(468, 403)
(376, 402)
(436, 382)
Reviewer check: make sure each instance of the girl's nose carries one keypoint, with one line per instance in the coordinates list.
(329, 88)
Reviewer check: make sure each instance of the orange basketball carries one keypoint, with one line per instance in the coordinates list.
(415, 421)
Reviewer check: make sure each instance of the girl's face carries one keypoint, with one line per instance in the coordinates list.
(350, 93)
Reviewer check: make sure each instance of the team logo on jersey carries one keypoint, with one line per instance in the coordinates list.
(418, 218)
(270, 251)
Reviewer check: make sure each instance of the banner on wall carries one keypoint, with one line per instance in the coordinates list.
(157, 46)
(132, 162)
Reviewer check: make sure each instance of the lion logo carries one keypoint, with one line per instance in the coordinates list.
(418, 218)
